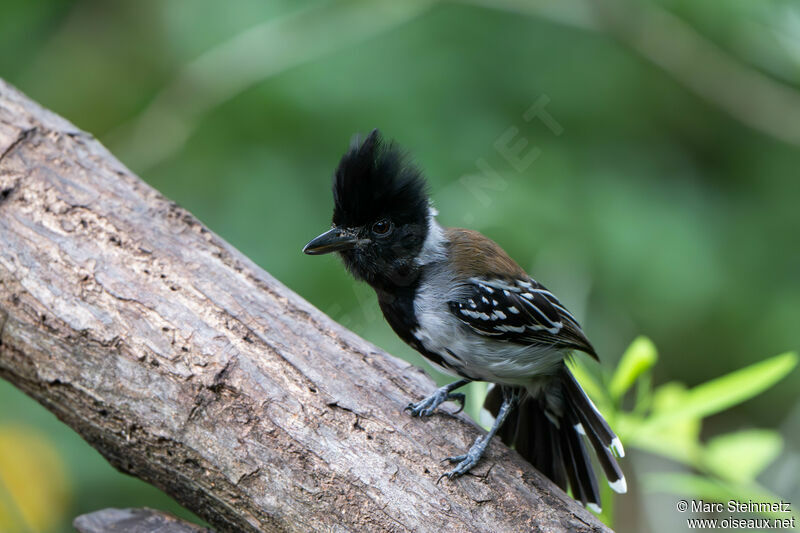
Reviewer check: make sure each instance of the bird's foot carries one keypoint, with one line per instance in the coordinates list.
(468, 460)
(428, 405)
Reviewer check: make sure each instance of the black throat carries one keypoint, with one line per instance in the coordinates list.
(397, 305)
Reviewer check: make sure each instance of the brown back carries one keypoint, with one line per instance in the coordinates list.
(474, 255)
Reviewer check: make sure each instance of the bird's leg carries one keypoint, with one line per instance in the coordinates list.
(471, 458)
(429, 404)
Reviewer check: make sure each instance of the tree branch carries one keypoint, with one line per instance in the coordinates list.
(134, 521)
(191, 368)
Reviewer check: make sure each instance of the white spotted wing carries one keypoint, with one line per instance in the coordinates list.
(520, 311)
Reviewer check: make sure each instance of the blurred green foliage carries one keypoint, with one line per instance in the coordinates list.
(666, 420)
(668, 203)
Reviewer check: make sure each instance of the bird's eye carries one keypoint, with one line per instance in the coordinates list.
(382, 227)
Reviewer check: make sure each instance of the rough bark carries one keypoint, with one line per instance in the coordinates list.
(134, 521)
(188, 366)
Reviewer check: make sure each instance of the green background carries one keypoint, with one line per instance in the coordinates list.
(667, 205)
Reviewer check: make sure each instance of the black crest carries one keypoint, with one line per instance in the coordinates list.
(374, 180)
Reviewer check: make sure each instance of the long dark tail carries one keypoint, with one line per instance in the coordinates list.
(554, 443)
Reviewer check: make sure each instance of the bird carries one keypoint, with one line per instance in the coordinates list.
(457, 297)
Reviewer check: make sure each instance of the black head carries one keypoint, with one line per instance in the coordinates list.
(380, 215)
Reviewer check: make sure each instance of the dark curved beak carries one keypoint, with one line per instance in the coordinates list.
(334, 240)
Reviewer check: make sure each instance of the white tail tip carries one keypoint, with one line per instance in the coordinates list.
(619, 486)
(594, 507)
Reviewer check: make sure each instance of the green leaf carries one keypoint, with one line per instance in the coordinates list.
(721, 393)
(644, 394)
(640, 356)
(678, 440)
(669, 396)
(740, 457)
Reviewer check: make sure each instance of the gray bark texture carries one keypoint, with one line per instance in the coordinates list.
(188, 366)
(134, 521)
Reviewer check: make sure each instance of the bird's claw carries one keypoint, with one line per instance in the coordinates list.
(427, 406)
(421, 408)
(459, 398)
(465, 461)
